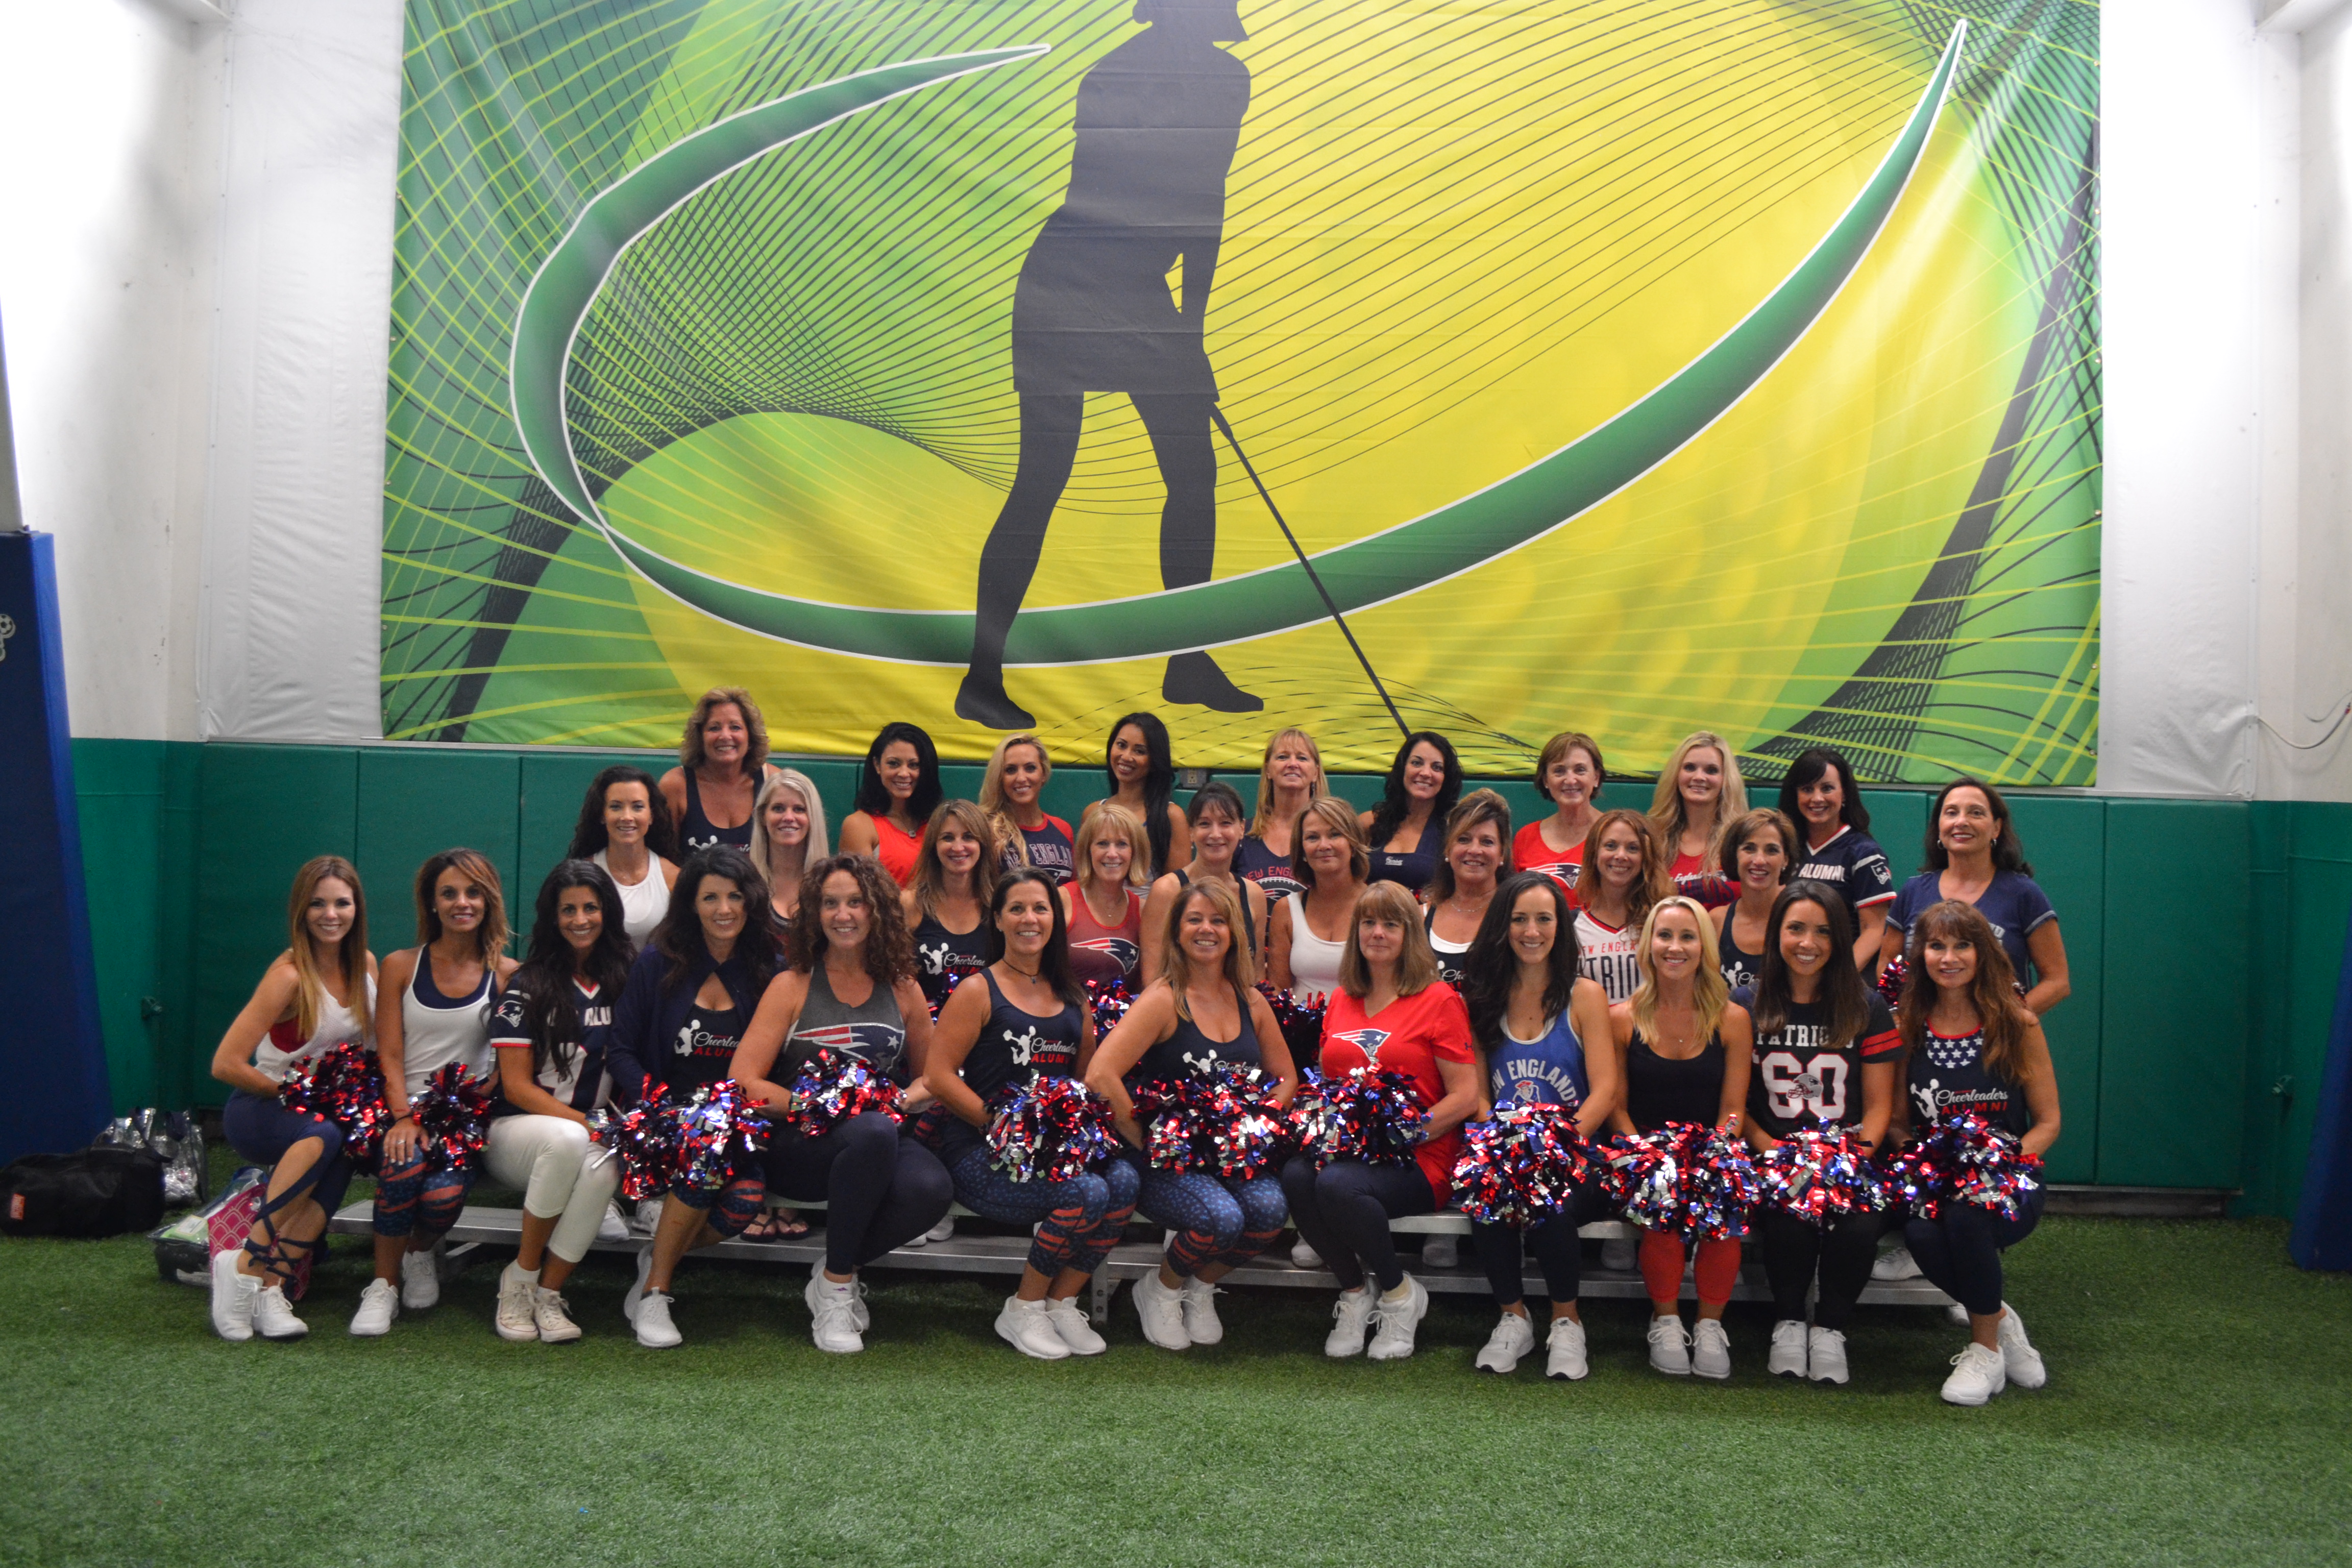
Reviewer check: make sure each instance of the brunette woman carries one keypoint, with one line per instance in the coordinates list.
(1757, 853)
(1569, 773)
(1021, 1018)
(1139, 765)
(551, 1028)
(431, 1009)
(1420, 792)
(1216, 818)
(1542, 1033)
(1309, 929)
(849, 988)
(1683, 1051)
(897, 790)
(945, 904)
(1622, 874)
(787, 837)
(1103, 908)
(1201, 1017)
(1839, 852)
(1699, 792)
(317, 995)
(1971, 1046)
(1026, 835)
(721, 763)
(625, 826)
(1473, 856)
(1288, 776)
(1973, 854)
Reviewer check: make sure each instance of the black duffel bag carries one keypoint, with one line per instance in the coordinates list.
(95, 1192)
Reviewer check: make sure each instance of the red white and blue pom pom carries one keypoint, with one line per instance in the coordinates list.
(343, 1084)
(1225, 1123)
(453, 1116)
(1522, 1168)
(1964, 1159)
(1821, 1175)
(1051, 1130)
(1694, 1181)
(834, 1086)
(1372, 1114)
(645, 1140)
(1891, 978)
(718, 1130)
(1301, 1024)
(1108, 1000)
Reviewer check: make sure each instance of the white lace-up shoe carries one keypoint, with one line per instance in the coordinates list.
(1162, 1312)
(2020, 1361)
(1513, 1338)
(233, 1294)
(1565, 1359)
(1825, 1355)
(636, 1292)
(273, 1315)
(1395, 1323)
(1710, 1351)
(833, 1311)
(1787, 1356)
(1024, 1326)
(1069, 1321)
(552, 1314)
(611, 1228)
(379, 1305)
(646, 1219)
(1201, 1324)
(518, 1318)
(942, 1231)
(1896, 1263)
(1354, 1315)
(1441, 1252)
(1303, 1256)
(420, 1280)
(1977, 1375)
(655, 1330)
(1619, 1254)
(1669, 1347)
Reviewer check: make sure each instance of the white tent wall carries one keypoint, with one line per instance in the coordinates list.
(2228, 319)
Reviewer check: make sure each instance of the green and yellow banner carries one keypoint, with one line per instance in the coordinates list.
(1490, 366)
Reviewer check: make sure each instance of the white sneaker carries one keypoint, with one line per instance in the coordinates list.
(552, 1315)
(1957, 1314)
(1069, 1321)
(940, 1231)
(379, 1305)
(648, 1217)
(655, 1330)
(233, 1294)
(1513, 1338)
(1787, 1356)
(518, 1317)
(1976, 1376)
(1825, 1354)
(1160, 1310)
(1710, 1350)
(1441, 1252)
(1896, 1263)
(1669, 1347)
(636, 1292)
(2021, 1363)
(1024, 1326)
(1621, 1254)
(420, 1280)
(611, 1228)
(1394, 1323)
(1304, 1256)
(832, 1309)
(273, 1315)
(1201, 1324)
(1354, 1312)
(1566, 1360)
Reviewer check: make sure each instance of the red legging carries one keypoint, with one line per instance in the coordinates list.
(1661, 1268)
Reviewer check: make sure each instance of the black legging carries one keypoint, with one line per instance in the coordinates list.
(1842, 1252)
(1503, 1250)
(880, 1191)
(1343, 1210)
(1960, 1252)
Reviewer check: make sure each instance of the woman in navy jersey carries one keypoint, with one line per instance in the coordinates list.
(1824, 1056)
(1217, 824)
(1289, 777)
(1102, 905)
(1839, 851)
(1682, 1048)
(897, 790)
(1473, 856)
(1758, 851)
(1699, 793)
(1310, 929)
(625, 826)
(1202, 1016)
(1025, 834)
(552, 1027)
(945, 904)
(1973, 854)
(431, 1009)
(721, 763)
(1569, 773)
(1971, 1047)
(787, 837)
(1023, 1018)
(1403, 831)
(317, 995)
(1622, 874)
(689, 996)
(1139, 765)
(1392, 1013)
(1531, 1011)
(847, 988)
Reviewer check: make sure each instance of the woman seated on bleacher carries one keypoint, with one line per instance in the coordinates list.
(1391, 1012)
(1531, 1011)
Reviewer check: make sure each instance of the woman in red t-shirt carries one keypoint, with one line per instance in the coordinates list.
(1392, 1012)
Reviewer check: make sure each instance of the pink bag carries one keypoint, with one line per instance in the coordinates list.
(230, 1219)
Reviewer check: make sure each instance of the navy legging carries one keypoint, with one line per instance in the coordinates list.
(1343, 1210)
(1217, 1219)
(1082, 1217)
(880, 1191)
(1503, 1250)
(1960, 1252)
(262, 1130)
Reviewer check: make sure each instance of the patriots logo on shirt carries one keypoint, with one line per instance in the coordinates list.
(866, 1040)
(1367, 1041)
(1126, 953)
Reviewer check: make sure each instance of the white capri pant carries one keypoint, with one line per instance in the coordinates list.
(563, 1175)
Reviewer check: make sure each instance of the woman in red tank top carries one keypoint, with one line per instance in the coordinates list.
(897, 790)
(1102, 905)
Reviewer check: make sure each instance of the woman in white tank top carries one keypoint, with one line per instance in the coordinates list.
(624, 828)
(1330, 857)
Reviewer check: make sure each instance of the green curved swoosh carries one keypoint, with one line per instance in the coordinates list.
(1512, 512)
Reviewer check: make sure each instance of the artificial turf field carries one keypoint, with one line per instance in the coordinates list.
(2198, 1410)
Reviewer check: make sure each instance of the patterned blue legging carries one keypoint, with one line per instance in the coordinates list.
(412, 1200)
(1217, 1219)
(1083, 1216)
(730, 1208)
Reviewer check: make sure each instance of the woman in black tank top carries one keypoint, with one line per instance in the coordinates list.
(1201, 1017)
(1758, 853)
(946, 898)
(1215, 814)
(1021, 1018)
(1683, 1051)
(725, 756)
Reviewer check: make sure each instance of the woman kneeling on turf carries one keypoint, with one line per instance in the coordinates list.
(1200, 1016)
(1392, 1013)
(848, 989)
(552, 1027)
(1971, 1047)
(1021, 1018)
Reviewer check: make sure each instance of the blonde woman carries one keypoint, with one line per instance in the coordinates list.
(1699, 792)
(1289, 777)
(1683, 1050)
(721, 763)
(946, 900)
(1309, 929)
(787, 837)
(318, 994)
(1569, 773)
(1473, 859)
(1103, 906)
(1025, 834)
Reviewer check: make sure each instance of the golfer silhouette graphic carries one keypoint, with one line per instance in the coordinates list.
(1158, 119)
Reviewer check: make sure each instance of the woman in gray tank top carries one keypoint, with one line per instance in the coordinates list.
(848, 988)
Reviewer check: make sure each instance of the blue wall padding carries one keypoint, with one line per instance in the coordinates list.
(2323, 1222)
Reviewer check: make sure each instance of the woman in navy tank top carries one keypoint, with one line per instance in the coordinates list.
(1200, 1015)
(721, 764)
(1531, 1011)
